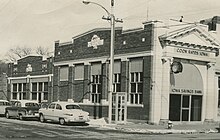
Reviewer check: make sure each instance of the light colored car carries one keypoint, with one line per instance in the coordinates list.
(63, 112)
(3, 105)
(23, 109)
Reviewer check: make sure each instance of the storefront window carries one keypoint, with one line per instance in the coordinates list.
(185, 112)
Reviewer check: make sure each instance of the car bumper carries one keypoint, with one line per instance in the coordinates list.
(78, 119)
(36, 115)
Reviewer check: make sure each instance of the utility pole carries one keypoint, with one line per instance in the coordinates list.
(112, 19)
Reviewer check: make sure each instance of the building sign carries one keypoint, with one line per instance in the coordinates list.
(95, 41)
(185, 91)
(191, 52)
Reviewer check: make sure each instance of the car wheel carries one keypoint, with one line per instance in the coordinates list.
(20, 117)
(7, 115)
(62, 121)
(42, 118)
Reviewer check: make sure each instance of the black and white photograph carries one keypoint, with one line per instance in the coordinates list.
(109, 69)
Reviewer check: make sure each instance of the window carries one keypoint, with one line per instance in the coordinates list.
(72, 107)
(19, 91)
(96, 82)
(117, 82)
(45, 91)
(34, 96)
(51, 106)
(117, 77)
(64, 72)
(14, 96)
(136, 81)
(79, 72)
(34, 91)
(39, 91)
(58, 107)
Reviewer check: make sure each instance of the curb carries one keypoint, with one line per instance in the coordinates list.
(164, 131)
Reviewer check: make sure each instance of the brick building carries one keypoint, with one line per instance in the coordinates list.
(161, 73)
(81, 70)
(31, 79)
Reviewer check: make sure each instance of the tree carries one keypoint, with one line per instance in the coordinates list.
(42, 51)
(3, 67)
(19, 52)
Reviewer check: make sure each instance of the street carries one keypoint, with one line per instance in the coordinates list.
(11, 129)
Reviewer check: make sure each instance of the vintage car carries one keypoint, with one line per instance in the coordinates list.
(63, 112)
(23, 109)
(3, 105)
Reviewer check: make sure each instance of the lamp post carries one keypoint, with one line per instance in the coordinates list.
(112, 19)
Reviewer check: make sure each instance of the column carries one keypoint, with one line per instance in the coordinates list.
(104, 83)
(165, 91)
(124, 75)
(71, 80)
(210, 93)
(87, 81)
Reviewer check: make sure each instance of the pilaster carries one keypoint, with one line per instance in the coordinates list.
(165, 91)
(210, 93)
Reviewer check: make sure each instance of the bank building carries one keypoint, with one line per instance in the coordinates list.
(161, 72)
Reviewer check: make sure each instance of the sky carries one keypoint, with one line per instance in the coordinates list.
(34, 23)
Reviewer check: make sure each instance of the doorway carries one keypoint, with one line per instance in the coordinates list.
(119, 107)
(185, 107)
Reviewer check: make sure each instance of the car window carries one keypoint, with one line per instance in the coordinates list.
(7, 103)
(51, 106)
(18, 104)
(58, 107)
(1, 103)
(72, 107)
(4, 103)
(31, 104)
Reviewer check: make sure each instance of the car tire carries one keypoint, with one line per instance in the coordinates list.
(62, 121)
(7, 115)
(42, 119)
(20, 117)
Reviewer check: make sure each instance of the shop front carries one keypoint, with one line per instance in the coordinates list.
(186, 94)
(189, 87)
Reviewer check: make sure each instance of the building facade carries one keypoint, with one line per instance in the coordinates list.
(161, 73)
(30, 79)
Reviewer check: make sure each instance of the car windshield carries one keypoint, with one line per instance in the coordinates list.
(31, 104)
(72, 107)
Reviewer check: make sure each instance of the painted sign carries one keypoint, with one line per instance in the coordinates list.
(185, 91)
(191, 52)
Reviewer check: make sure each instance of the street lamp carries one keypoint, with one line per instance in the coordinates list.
(110, 17)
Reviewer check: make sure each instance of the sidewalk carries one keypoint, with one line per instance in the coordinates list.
(158, 129)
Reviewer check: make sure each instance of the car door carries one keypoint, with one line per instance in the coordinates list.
(49, 112)
(13, 111)
(57, 112)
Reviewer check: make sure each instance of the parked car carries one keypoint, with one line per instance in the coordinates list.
(63, 112)
(3, 105)
(23, 109)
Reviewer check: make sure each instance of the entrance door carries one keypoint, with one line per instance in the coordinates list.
(185, 107)
(119, 108)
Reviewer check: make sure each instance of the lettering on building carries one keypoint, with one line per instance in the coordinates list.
(186, 91)
(192, 52)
